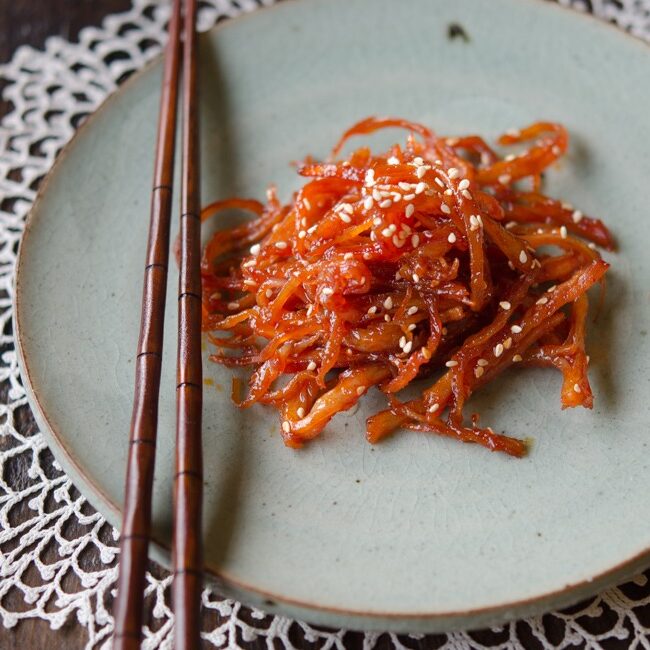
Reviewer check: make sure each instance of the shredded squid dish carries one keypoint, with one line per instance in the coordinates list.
(436, 260)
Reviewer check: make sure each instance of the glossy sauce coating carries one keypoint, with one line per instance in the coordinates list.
(428, 260)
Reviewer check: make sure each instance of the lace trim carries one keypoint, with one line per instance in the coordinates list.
(58, 562)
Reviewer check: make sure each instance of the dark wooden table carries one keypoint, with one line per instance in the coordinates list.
(30, 22)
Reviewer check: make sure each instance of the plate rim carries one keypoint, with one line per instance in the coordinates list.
(159, 550)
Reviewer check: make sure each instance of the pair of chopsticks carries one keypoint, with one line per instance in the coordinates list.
(188, 477)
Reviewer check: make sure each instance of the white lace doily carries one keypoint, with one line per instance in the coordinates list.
(57, 555)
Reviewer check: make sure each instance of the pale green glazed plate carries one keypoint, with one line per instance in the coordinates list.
(419, 533)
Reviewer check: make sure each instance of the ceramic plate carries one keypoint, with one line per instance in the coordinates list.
(418, 533)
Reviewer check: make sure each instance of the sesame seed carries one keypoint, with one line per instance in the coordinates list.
(310, 310)
(393, 161)
(510, 224)
(409, 197)
(360, 390)
(542, 301)
(386, 203)
(268, 293)
(577, 216)
(303, 222)
(498, 350)
(312, 229)
(451, 238)
(444, 331)
(306, 203)
(563, 232)
(482, 363)
(286, 426)
(576, 388)
(384, 194)
(311, 365)
(346, 207)
(510, 157)
(515, 329)
(507, 344)
(396, 197)
(473, 222)
(408, 347)
(348, 256)
(302, 234)
(451, 363)
(255, 249)
(404, 186)
(370, 177)
(388, 303)
(397, 241)
(345, 218)
(281, 244)
(249, 264)
(591, 245)
(233, 305)
(386, 232)
(216, 295)
(552, 288)
(420, 187)
(478, 372)
(453, 172)
(387, 318)
(516, 358)
(504, 304)
(412, 310)
(463, 185)
(448, 192)
(433, 408)
(300, 412)
(523, 258)
(511, 266)
(377, 221)
(420, 172)
(425, 353)
(398, 275)
(439, 182)
(392, 227)
(445, 208)
(410, 209)
(467, 194)
(368, 202)
(372, 310)
(537, 263)
(411, 327)
(415, 240)
(416, 277)
(376, 195)
(504, 179)
(327, 291)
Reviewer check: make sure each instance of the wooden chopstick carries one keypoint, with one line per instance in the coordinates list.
(136, 520)
(187, 552)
